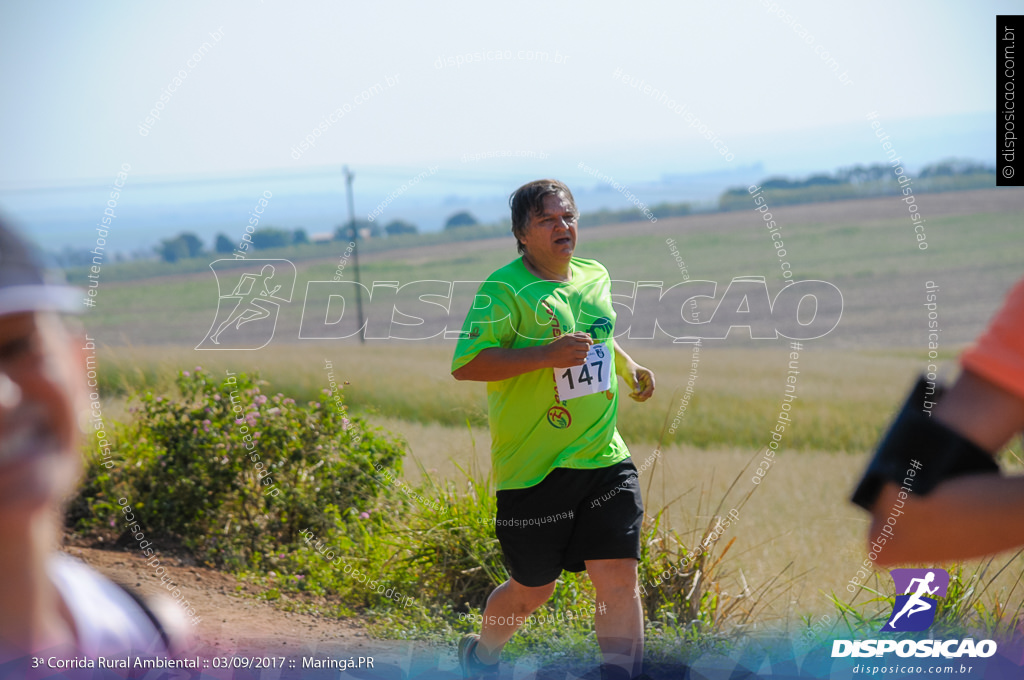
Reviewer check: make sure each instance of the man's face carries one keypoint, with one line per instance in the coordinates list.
(41, 393)
(551, 235)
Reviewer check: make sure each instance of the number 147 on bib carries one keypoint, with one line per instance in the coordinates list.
(592, 377)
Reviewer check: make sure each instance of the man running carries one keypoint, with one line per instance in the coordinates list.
(544, 344)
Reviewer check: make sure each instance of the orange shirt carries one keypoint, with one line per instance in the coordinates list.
(998, 355)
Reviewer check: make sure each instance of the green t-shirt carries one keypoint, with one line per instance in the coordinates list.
(531, 432)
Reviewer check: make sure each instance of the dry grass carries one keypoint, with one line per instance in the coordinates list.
(800, 513)
(799, 516)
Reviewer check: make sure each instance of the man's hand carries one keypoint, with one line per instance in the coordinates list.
(569, 350)
(641, 380)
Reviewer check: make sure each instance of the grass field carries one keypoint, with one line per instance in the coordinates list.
(850, 383)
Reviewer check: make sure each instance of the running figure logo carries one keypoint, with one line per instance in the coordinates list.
(255, 299)
(914, 610)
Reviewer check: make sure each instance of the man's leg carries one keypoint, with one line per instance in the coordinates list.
(619, 620)
(507, 608)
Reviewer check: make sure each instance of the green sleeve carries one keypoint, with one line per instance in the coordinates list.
(489, 323)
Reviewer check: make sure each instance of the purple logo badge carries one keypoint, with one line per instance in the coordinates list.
(916, 590)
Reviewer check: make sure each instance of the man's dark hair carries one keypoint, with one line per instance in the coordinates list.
(528, 201)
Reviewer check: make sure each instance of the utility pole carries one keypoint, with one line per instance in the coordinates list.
(355, 249)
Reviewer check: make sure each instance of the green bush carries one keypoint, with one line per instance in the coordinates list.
(235, 474)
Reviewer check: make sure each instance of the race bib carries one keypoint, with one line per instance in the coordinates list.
(592, 377)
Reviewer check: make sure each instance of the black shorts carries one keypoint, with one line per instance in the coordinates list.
(570, 517)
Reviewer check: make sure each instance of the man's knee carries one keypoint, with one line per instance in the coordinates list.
(613, 574)
(530, 597)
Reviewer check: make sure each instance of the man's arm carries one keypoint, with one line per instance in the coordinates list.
(968, 516)
(501, 363)
(639, 379)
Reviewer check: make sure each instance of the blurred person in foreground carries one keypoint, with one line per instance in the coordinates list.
(51, 605)
(568, 493)
(954, 505)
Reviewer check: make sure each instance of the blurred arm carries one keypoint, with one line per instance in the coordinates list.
(968, 516)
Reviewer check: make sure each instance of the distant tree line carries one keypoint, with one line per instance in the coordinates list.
(860, 181)
(188, 245)
(605, 216)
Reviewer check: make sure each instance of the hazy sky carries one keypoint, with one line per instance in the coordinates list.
(80, 78)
